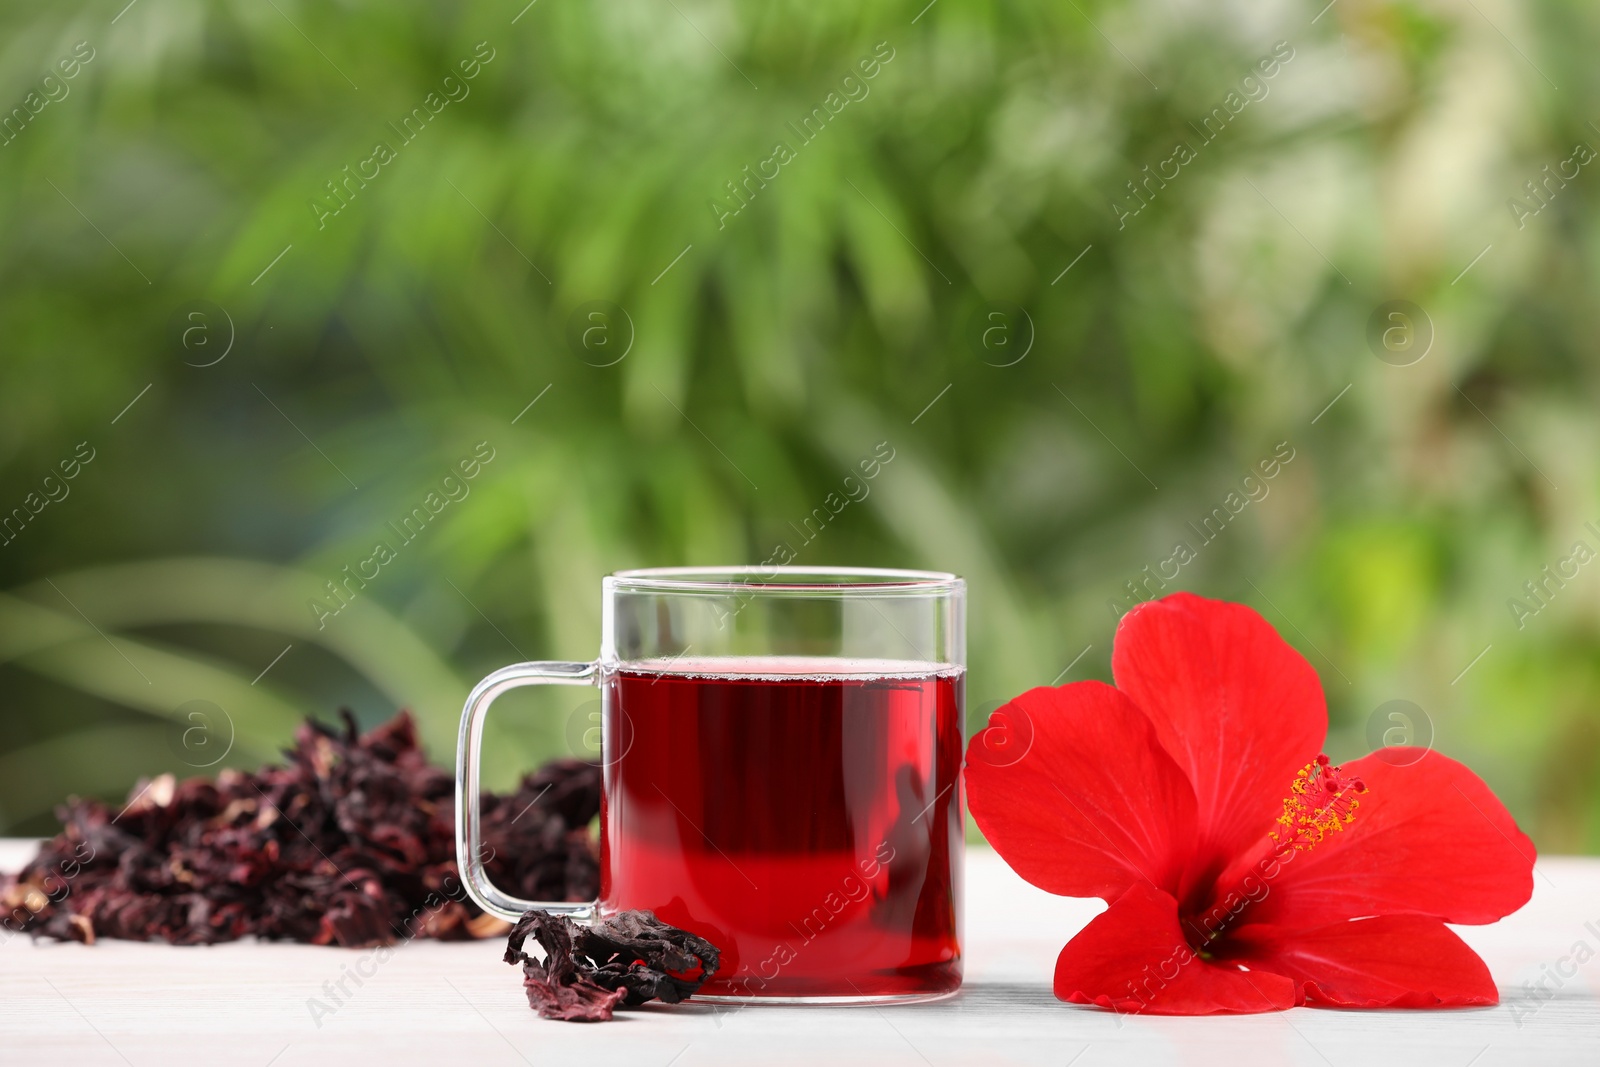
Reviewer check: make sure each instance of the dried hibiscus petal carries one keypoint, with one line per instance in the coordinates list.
(625, 959)
(556, 985)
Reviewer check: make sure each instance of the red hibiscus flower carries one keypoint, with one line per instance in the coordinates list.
(1243, 872)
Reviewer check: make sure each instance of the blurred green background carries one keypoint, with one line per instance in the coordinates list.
(948, 259)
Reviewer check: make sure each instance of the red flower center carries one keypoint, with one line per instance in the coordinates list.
(1321, 801)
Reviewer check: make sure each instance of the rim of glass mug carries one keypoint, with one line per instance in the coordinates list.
(647, 589)
(785, 580)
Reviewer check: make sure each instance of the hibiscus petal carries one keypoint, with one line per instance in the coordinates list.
(1391, 961)
(1133, 958)
(1237, 707)
(1429, 838)
(1073, 790)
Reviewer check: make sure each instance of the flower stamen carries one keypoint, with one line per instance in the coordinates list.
(1321, 801)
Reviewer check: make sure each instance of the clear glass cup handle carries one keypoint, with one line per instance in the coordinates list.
(469, 850)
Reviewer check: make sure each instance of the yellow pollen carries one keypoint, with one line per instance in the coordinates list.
(1321, 801)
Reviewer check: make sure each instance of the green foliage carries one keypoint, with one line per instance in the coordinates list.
(588, 160)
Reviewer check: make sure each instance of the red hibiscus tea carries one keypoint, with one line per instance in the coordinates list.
(802, 814)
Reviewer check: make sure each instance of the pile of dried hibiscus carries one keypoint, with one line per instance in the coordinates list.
(351, 842)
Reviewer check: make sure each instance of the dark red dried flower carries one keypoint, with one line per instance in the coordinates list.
(625, 959)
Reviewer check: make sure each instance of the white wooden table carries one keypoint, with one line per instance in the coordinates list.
(120, 1003)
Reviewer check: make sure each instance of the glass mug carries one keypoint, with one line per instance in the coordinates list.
(781, 750)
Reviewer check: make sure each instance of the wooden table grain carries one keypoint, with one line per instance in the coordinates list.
(255, 1004)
